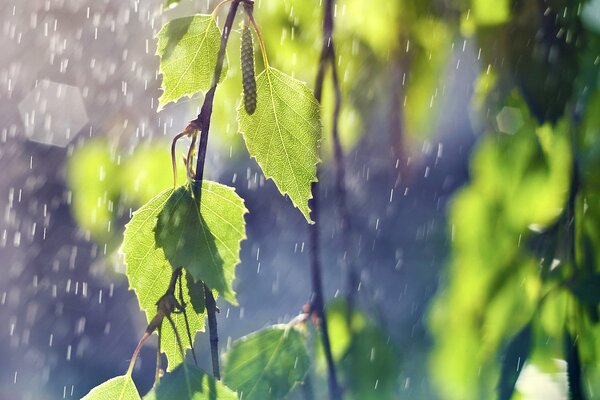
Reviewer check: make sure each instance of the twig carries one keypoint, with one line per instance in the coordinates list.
(211, 309)
(166, 305)
(352, 278)
(202, 124)
(187, 323)
(317, 301)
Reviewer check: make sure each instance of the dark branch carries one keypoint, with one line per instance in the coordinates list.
(317, 300)
(202, 124)
(211, 309)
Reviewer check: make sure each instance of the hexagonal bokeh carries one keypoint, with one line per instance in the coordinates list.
(53, 113)
(509, 120)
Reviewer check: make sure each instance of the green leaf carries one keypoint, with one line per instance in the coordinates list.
(491, 12)
(368, 361)
(205, 241)
(188, 49)
(91, 173)
(266, 364)
(188, 382)
(283, 134)
(515, 355)
(119, 388)
(149, 273)
(143, 174)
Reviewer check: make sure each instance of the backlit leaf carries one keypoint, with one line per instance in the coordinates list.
(266, 364)
(205, 241)
(188, 49)
(149, 273)
(188, 382)
(283, 134)
(119, 388)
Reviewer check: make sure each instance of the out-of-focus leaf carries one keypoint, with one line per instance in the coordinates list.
(266, 364)
(490, 12)
(425, 83)
(119, 388)
(148, 172)
(188, 382)
(515, 356)
(371, 366)
(206, 240)
(283, 134)
(93, 179)
(520, 183)
(188, 48)
(368, 360)
(149, 274)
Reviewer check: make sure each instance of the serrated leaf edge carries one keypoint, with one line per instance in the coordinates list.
(319, 140)
(161, 106)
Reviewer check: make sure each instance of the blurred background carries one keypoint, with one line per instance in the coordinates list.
(470, 129)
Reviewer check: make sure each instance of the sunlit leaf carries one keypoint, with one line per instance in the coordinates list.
(188, 49)
(283, 134)
(188, 382)
(205, 240)
(266, 364)
(119, 388)
(149, 273)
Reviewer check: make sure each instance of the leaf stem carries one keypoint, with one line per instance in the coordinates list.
(137, 352)
(317, 300)
(250, 11)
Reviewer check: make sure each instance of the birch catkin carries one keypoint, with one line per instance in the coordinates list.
(247, 61)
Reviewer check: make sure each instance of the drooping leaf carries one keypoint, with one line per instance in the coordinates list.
(515, 355)
(119, 388)
(205, 241)
(266, 364)
(149, 273)
(283, 134)
(188, 49)
(188, 382)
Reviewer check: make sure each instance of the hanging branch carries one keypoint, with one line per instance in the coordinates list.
(202, 124)
(317, 301)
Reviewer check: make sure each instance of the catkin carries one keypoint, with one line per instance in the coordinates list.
(247, 61)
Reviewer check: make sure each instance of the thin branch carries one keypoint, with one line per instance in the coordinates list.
(317, 300)
(202, 124)
(212, 310)
(352, 278)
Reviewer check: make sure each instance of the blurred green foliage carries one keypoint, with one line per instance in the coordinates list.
(106, 185)
(522, 279)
